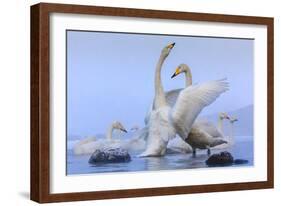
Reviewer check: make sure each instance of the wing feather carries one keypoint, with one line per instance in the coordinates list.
(191, 101)
(172, 96)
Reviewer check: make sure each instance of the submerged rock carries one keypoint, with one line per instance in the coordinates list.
(114, 155)
(221, 159)
(240, 161)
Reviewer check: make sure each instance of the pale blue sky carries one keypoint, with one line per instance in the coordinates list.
(110, 75)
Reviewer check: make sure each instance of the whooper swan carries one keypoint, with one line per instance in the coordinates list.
(165, 122)
(203, 132)
(88, 146)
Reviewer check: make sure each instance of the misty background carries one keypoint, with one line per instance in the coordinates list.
(110, 76)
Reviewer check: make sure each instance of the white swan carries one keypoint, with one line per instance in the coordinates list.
(210, 128)
(172, 96)
(89, 145)
(86, 140)
(159, 130)
(165, 121)
(177, 144)
(202, 132)
(222, 116)
(232, 120)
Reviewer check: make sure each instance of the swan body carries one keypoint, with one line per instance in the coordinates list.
(160, 131)
(82, 145)
(89, 148)
(200, 139)
(165, 122)
(89, 145)
(87, 140)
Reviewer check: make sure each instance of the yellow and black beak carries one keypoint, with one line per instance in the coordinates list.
(173, 75)
(170, 46)
(176, 73)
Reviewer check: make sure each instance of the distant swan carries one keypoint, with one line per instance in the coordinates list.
(232, 120)
(165, 121)
(203, 134)
(89, 145)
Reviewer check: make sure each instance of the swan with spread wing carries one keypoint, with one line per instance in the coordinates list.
(177, 144)
(172, 95)
(164, 121)
(203, 134)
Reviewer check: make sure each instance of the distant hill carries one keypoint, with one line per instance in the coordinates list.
(244, 126)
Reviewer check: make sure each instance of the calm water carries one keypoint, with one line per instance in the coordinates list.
(242, 149)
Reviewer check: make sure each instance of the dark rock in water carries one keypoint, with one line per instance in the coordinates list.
(221, 159)
(240, 161)
(114, 155)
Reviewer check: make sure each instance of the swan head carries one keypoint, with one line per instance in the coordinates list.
(119, 126)
(233, 119)
(223, 115)
(182, 68)
(167, 49)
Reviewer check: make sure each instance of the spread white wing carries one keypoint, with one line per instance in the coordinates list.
(172, 96)
(191, 101)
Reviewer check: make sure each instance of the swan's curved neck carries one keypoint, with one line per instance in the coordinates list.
(220, 125)
(109, 133)
(188, 77)
(159, 99)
